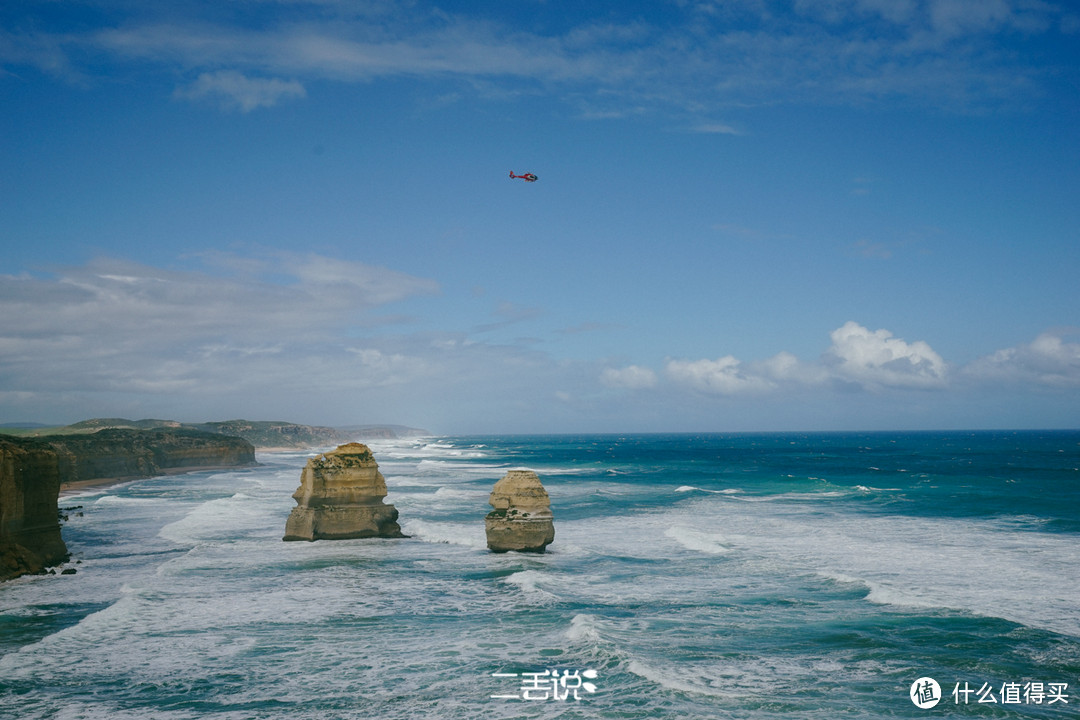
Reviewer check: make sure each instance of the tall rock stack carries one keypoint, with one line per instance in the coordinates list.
(521, 519)
(341, 496)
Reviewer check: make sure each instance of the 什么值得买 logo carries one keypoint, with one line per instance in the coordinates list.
(925, 693)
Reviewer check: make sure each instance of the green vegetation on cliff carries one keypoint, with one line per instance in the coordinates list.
(260, 433)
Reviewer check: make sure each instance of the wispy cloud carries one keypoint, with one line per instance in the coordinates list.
(706, 57)
(120, 326)
(633, 377)
(508, 314)
(716, 129)
(872, 249)
(279, 335)
(234, 90)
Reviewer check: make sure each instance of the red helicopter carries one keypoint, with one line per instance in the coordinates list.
(527, 177)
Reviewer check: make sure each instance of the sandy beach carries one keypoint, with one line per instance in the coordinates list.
(80, 486)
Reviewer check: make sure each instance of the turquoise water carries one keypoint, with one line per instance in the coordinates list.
(698, 576)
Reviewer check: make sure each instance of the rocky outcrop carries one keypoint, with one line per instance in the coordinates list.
(521, 519)
(341, 496)
(29, 524)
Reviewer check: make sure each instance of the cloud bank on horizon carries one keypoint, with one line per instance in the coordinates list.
(230, 337)
(752, 215)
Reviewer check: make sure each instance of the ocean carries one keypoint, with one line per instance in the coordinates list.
(892, 575)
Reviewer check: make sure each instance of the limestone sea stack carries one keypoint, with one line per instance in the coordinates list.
(521, 519)
(341, 496)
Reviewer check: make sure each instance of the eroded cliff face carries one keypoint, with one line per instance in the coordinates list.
(121, 453)
(32, 471)
(521, 520)
(30, 537)
(341, 496)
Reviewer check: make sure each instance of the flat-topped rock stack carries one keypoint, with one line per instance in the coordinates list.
(521, 520)
(341, 496)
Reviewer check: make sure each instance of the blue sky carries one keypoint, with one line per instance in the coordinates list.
(751, 215)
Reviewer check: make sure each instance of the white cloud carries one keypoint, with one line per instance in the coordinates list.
(237, 91)
(877, 359)
(724, 376)
(389, 368)
(117, 325)
(633, 377)
(1048, 361)
(786, 369)
(872, 360)
(730, 376)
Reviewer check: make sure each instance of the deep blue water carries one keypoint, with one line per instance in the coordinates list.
(698, 576)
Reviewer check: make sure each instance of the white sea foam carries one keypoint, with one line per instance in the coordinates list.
(455, 492)
(544, 472)
(467, 534)
(583, 628)
(461, 468)
(89, 492)
(117, 500)
(787, 497)
(586, 638)
(691, 539)
(682, 680)
(529, 582)
(982, 567)
(691, 488)
(217, 519)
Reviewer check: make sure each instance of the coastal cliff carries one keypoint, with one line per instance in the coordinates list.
(32, 471)
(29, 528)
(120, 453)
